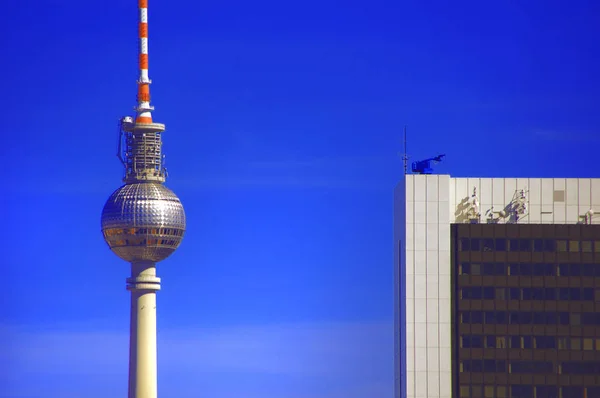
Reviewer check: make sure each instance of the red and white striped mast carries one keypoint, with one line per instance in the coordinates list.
(143, 108)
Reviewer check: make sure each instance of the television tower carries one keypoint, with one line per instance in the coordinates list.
(143, 222)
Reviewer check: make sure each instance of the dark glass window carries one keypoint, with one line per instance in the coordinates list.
(549, 245)
(513, 245)
(574, 294)
(490, 341)
(588, 293)
(537, 293)
(488, 293)
(524, 245)
(514, 269)
(527, 342)
(538, 245)
(465, 269)
(501, 245)
(572, 392)
(515, 293)
(490, 317)
(575, 270)
(465, 244)
(489, 269)
(489, 365)
(466, 317)
(521, 391)
(515, 341)
(546, 391)
(563, 293)
(551, 318)
(527, 293)
(501, 293)
(563, 269)
(500, 269)
(550, 293)
(563, 318)
(526, 269)
(477, 341)
(561, 245)
(477, 317)
(588, 270)
(500, 317)
(488, 245)
(539, 318)
(475, 245)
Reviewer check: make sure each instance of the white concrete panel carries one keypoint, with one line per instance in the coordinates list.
(444, 238)
(559, 213)
(461, 190)
(433, 355)
(432, 212)
(420, 262)
(445, 333)
(433, 384)
(535, 214)
(585, 192)
(421, 385)
(445, 360)
(432, 188)
(420, 308)
(473, 183)
(444, 213)
(420, 288)
(485, 192)
(410, 311)
(498, 193)
(432, 287)
(510, 186)
(535, 191)
(420, 215)
(444, 291)
(410, 213)
(444, 267)
(547, 193)
(420, 236)
(410, 384)
(432, 265)
(432, 317)
(410, 237)
(410, 343)
(432, 237)
(572, 191)
(444, 188)
(451, 192)
(410, 262)
(421, 359)
(420, 337)
(420, 188)
(559, 184)
(410, 286)
(572, 214)
(446, 384)
(596, 194)
(409, 188)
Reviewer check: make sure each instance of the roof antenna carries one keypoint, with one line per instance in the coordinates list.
(405, 156)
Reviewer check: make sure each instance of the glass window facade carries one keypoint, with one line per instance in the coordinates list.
(526, 310)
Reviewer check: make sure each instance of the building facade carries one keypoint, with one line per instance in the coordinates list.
(497, 287)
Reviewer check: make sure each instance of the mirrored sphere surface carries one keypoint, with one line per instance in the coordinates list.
(143, 222)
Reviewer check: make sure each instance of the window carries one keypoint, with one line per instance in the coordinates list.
(475, 245)
(561, 245)
(597, 344)
(488, 245)
(475, 269)
(575, 343)
(488, 293)
(526, 269)
(572, 392)
(501, 342)
(465, 244)
(563, 318)
(515, 293)
(515, 341)
(501, 293)
(588, 344)
(563, 270)
(586, 246)
(488, 269)
(488, 392)
(550, 293)
(524, 245)
(576, 319)
(549, 245)
(464, 392)
(490, 317)
(501, 245)
(562, 343)
(588, 270)
(513, 245)
(546, 391)
(574, 246)
(575, 270)
(597, 246)
(465, 317)
(477, 317)
(521, 391)
(575, 293)
(501, 392)
(527, 342)
(465, 269)
(513, 269)
(538, 245)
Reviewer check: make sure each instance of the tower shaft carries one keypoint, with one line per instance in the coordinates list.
(143, 285)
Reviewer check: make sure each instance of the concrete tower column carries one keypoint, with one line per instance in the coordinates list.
(143, 285)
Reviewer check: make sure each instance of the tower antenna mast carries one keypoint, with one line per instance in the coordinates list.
(405, 156)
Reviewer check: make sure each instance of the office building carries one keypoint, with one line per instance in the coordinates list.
(497, 287)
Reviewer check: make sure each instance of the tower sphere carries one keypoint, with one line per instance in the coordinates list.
(143, 222)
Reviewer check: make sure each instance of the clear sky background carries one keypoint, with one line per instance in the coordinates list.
(284, 129)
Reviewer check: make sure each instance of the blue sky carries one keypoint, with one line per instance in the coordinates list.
(284, 132)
